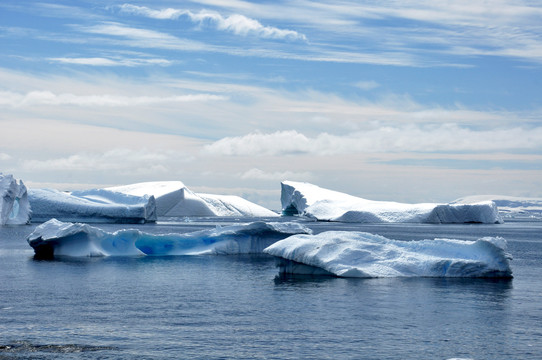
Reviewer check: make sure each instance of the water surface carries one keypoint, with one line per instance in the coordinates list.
(236, 307)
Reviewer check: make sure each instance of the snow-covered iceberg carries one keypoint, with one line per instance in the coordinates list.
(358, 254)
(56, 238)
(328, 205)
(14, 205)
(98, 206)
(174, 199)
(509, 206)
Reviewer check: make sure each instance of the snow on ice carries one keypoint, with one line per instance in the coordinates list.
(138, 203)
(364, 255)
(56, 238)
(14, 206)
(328, 205)
(174, 199)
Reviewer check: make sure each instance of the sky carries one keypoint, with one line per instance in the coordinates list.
(418, 101)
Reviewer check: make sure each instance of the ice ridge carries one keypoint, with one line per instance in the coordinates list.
(364, 255)
(57, 238)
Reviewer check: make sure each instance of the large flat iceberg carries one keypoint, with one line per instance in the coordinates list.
(97, 206)
(509, 206)
(364, 255)
(328, 205)
(14, 205)
(56, 238)
(174, 199)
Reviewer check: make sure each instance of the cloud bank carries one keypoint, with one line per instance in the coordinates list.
(408, 138)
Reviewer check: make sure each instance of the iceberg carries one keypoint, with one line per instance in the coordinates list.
(364, 255)
(98, 206)
(509, 206)
(328, 205)
(57, 238)
(14, 205)
(174, 199)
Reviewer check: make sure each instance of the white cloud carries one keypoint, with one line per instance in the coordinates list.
(409, 138)
(235, 23)
(4, 156)
(34, 98)
(257, 174)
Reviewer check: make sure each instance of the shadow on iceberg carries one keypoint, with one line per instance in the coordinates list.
(14, 205)
(93, 206)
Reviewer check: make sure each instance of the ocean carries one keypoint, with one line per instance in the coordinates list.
(239, 307)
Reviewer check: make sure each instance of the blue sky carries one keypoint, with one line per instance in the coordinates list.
(408, 101)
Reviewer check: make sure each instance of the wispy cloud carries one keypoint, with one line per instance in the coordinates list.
(235, 23)
(102, 61)
(432, 30)
(34, 98)
(140, 161)
(367, 85)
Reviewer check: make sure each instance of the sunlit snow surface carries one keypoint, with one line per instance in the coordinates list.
(14, 205)
(328, 205)
(364, 255)
(174, 199)
(98, 206)
(56, 238)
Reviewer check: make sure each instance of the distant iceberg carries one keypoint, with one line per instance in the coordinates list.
(97, 206)
(509, 206)
(328, 205)
(174, 199)
(364, 255)
(14, 205)
(56, 238)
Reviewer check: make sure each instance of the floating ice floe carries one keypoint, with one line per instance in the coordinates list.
(364, 255)
(174, 199)
(14, 206)
(97, 206)
(56, 238)
(328, 205)
(509, 206)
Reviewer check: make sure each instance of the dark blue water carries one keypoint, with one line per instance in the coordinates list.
(236, 307)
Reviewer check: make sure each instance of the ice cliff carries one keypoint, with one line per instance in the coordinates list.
(14, 205)
(328, 205)
(98, 206)
(56, 238)
(358, 254)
